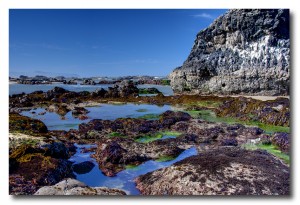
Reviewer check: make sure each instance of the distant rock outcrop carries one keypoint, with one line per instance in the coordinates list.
(242, 51)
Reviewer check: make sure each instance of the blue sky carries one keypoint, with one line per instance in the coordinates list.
(102, 42)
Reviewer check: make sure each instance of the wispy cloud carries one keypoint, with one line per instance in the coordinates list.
(203, 15)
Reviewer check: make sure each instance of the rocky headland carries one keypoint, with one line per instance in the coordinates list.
(245, 51)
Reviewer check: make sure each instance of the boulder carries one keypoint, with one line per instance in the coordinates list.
(83, 167)
(74, 187)
(223, 171)
(56, 150)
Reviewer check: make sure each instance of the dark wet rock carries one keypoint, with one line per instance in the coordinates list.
(216, 133)
(255, 110)
(83, 167)
(37, 92)
(34, 170)
(56, 150)
(19, 123)
(229, 142)
(99, 93)
(84, 93)
(223, 171)
(88, 82)
(25, 101)
(234, 127)
(180, 126)
(61, 109)
(71, 148)
(17, 156)
(123, 89)
(13, 165)
(19, 186)
(74, 187)
(54, 93)
(91, 125)
(169, 118)
(113, 155)
(127, 88)
(68, 95)
(282, 140)
(131, 126)
(203, 132)
(148, 91)
(242, 51)
(113, 152)
(70, 82)
(83, 117)
(79, 111)
(76, 101)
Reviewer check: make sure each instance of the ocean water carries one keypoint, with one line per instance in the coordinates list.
(15, 88)
(104, 111)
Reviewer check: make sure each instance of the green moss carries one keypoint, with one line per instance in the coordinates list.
(171, 133)
(156, 136)
(149, 138)
(205, 103)
(116, 134)
(142, 110)
(150, 117)
(207, 115)
(269, 128)
(272, 149)
(210, 116)
(148, 91)
(131, 166)
(165, 158)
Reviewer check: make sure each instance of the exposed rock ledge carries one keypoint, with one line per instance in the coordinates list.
(245, 51)
(74, 187)
(224, 171)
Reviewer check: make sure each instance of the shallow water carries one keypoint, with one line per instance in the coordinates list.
(105, 111)
(125, 179)
(168, 137)
(19, 88)
(147, 139)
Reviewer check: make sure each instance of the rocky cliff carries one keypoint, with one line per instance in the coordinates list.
(245, 51)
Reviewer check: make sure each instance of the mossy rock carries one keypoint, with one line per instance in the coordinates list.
(23, 124)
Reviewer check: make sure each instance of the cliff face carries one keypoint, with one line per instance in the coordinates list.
(245, 51)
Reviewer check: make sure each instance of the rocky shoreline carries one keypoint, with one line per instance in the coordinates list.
(201, 141)
(44, 162)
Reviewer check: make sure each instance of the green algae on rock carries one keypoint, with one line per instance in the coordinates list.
(27, 125)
